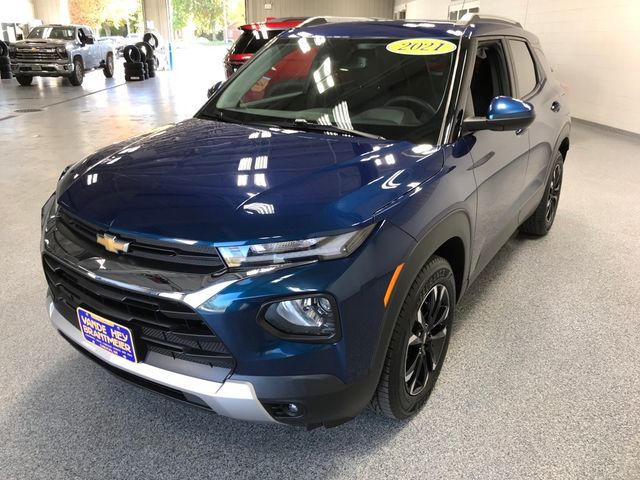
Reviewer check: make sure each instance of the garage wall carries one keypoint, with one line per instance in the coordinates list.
(256, 12)
(51, 11)
(590, 44)
(20, 12)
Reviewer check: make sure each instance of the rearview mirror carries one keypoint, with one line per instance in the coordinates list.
(214, 89)
(505, 113)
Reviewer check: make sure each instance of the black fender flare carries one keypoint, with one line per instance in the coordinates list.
(564, 133)
(454, 224)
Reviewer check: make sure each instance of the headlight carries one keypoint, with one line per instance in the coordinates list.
(312, 318)
(321, 248)
(62, 51)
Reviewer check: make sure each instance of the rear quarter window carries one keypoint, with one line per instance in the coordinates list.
(253, 40)
(524, 67)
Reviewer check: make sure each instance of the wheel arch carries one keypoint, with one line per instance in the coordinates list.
(564, 147)
(450, 238)
(78, 56)
(563, 142)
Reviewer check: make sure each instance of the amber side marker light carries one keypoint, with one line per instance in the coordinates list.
(392, 283)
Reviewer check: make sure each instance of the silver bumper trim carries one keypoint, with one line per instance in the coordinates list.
(231, 398)
(45, 68)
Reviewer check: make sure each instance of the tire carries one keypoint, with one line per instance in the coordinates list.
(109, 66)
(24, 80)
(418, 343)
(146, 49)
(131, 54)
(541, 221)
(5, 61)
(4, 49)
(77, 76)
(151, 39)
(136, 67)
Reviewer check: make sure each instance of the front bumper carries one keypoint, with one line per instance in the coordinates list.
(330, 382)
(42, 69)
(231, 398)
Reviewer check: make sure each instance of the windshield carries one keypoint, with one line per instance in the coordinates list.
(54, 33)
(352, 84)
(253, 40)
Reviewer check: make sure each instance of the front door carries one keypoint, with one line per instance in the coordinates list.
(499, 158)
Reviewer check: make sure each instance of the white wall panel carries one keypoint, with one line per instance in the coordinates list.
(590, 44)
(20, 11)
(308, 8)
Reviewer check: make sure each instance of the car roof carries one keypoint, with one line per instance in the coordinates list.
(274, 24)
(475, 27)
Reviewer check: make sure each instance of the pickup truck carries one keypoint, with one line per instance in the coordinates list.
(61, 51)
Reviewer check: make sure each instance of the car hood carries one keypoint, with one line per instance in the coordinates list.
(212, 182)
(41, 43)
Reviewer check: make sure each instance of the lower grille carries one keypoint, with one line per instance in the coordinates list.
(159, 325)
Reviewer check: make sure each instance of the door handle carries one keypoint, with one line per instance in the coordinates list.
(555, 107)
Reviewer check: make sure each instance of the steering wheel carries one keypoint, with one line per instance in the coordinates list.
(420, 107)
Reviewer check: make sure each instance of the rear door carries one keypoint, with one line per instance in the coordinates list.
(499, 158)
(533, 86)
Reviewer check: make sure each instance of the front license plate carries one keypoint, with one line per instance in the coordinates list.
(36, 68)
(106, 334)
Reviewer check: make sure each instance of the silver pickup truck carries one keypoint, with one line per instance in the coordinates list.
(61, 51)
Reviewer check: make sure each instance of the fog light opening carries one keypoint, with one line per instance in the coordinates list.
(313, 316)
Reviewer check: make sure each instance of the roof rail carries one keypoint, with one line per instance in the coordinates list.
(468, 18)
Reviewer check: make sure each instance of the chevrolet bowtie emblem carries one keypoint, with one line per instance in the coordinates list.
(111, 243)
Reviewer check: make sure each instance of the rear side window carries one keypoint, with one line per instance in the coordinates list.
(253, 40)
(524, 67)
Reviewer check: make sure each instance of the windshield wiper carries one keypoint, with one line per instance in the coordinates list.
(303, 124)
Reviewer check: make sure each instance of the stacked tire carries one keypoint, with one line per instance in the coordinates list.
(151, 43)
(140, 60)
(134, 66)
(5, 62)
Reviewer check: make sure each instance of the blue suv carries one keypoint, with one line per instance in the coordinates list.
(295, 252)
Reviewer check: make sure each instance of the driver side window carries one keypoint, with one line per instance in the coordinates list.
(490, 77)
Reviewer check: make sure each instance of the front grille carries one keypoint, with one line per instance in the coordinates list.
(159, 325)
(48, 55)
(150, 253)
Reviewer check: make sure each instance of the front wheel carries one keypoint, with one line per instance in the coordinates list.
(540, 222)
(24, 80)
(419, 342)
(109, 66)
(77, 75)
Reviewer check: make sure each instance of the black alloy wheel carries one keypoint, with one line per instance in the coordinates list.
(419, 341)
(427, 340)
(541, 220)
(553, 197)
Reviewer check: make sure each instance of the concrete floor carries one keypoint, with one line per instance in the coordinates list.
(541, 380)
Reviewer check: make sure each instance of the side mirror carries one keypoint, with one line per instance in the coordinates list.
(89, 40)
(214, 89)
(505, 113)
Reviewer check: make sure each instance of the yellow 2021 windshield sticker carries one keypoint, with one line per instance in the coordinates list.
(421, 46)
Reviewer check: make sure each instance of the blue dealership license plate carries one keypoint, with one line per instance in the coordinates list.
(107, 335)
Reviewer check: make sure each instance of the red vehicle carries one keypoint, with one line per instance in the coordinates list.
(254, 37)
